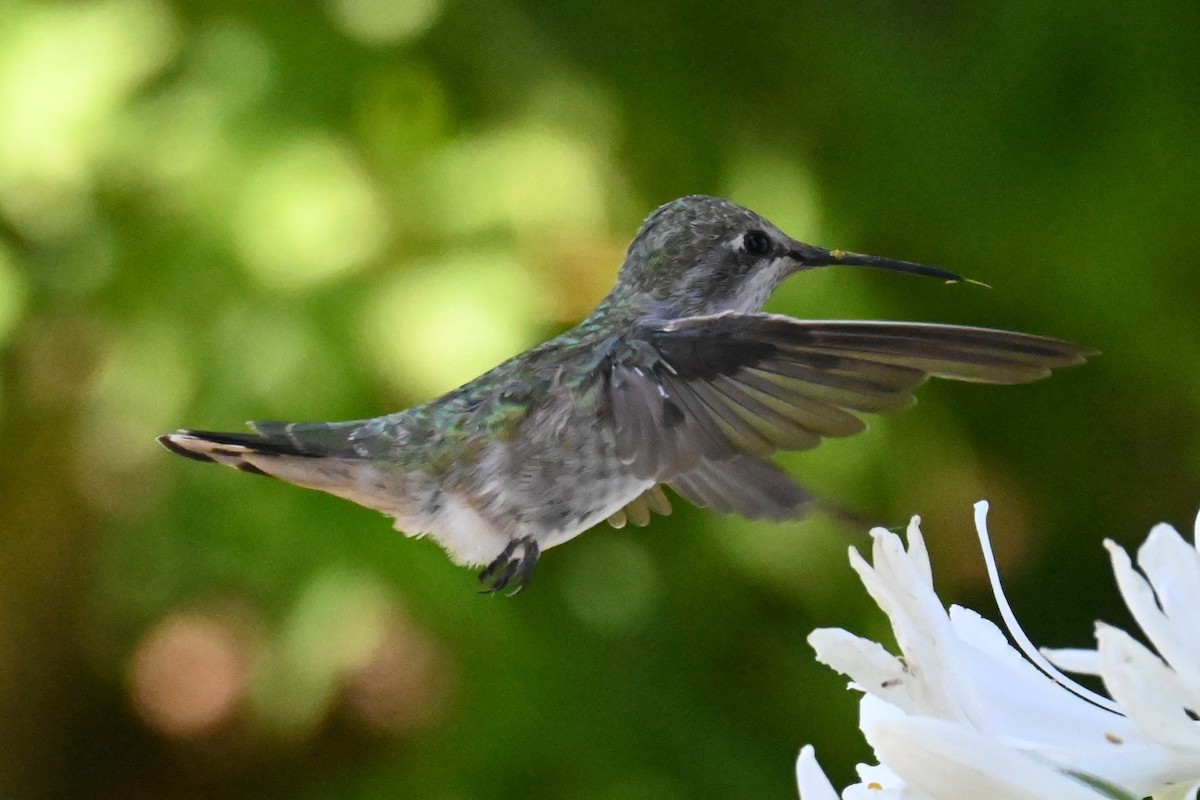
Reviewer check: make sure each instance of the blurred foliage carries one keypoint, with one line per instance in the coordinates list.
(215, 211)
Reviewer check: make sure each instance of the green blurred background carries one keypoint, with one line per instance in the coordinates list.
(215, 211)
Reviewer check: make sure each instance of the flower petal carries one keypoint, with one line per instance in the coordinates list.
(900, 583)
(917, 552)
(1019, 701)
(1173, 570)
(945, 760)
(867, 663)
(1073, 659)
(962, 713)
(1148, 690)
(813, 783)
(1137, 594)
(1196, 532)
(1143, 605)
(1181, 792)
(877, 782)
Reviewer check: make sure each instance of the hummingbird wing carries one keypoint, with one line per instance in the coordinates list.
(713, 388)
(747, 485)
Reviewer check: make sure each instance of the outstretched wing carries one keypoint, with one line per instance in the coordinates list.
(710, 389)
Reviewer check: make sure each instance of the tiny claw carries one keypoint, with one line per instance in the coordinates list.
(510, 569)
(501, 582)
(499, 561)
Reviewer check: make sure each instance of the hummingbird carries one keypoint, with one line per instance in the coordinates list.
(677, 378)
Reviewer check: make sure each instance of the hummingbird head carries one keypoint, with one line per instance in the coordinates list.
(703, 255)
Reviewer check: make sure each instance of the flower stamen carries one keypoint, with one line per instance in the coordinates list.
(1014, 628)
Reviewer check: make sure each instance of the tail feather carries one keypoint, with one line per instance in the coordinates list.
(275, 448)
(342, 439)
(286, 452)
(243, 451)
(296, 439)
(200, 444)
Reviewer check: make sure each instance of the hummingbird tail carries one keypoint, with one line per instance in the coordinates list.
(316, 455)
(242, 451)
(286, 439)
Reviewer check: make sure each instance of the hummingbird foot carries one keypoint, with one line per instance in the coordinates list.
(510, 568)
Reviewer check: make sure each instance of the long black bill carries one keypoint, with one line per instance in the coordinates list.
(807, 256)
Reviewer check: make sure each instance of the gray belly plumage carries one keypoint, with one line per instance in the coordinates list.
(558, 478)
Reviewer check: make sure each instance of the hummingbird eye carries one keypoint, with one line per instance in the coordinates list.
(756, 243)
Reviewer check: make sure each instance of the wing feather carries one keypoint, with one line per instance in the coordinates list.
(694, 392)
(746, 485)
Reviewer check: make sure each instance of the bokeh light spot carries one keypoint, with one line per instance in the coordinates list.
(609, 581)
(406, 681)
(189, 674)
(139, 391)
(347, 638)
(581, 106)
(402, 117)
(338, 622)
(448, 321)
(779, 188)
(528, 178)
(269, 352)
(384, 21)
(187, 141)
(65, 71)
(308, 215)
(793, 557)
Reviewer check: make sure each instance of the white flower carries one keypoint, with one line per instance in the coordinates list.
(964, 714)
